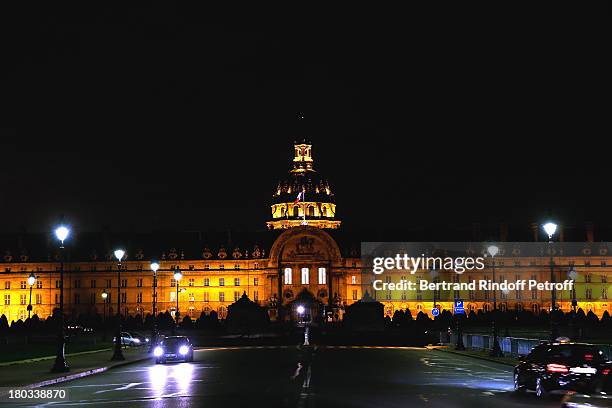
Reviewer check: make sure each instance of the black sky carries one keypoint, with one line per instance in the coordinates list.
(155, 118)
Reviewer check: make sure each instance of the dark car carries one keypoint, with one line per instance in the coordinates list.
(173, 348)
(144, 340)
(560, 368)
(600, 398)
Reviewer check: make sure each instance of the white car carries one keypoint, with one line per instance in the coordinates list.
(128, 340)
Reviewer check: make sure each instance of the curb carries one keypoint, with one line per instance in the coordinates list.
(476, 357)
(82, 374)
(34, 360)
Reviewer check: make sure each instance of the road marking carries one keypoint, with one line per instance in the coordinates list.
(125, 387)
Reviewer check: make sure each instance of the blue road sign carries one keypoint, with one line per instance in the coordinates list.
(435, 311)
(459, 306)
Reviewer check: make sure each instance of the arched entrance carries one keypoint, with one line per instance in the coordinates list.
(305, 258)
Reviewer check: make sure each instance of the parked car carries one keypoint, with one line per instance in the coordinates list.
(560, 368)
(128, 340)
(173, 348)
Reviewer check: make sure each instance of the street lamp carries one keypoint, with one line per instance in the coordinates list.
(31, 282)
(154, 268)
(496, 350)
(60, 366)
(118, 353)
(573, 275)
(177, 277)
(550, 228)
(104, 299)
(434, 275)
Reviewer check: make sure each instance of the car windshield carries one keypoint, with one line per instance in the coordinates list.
(577, 353)
(174, 342)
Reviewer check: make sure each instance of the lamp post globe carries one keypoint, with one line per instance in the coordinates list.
(550, 228)
(61, 233)
(31, 279)
(493, 250)
(119, 253)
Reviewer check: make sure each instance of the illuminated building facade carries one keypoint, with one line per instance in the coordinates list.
(302, 258)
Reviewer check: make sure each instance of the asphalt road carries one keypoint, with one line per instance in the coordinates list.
(321, 377)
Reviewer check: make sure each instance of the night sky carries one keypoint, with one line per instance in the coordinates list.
(150, 118)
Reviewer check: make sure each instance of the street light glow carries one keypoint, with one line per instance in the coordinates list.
(550, 228)
(119, 253)
(300, 309)
(62, 233)
(31, 279)
(178, 275)
(493, 250)
(154, 266)
(104, 295)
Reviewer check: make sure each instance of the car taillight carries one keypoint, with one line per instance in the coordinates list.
(557, 368)
(605, 371)
(588, 357)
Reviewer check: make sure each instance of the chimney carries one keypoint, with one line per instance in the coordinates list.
(590, 231)
(535, 229)
(503, 232)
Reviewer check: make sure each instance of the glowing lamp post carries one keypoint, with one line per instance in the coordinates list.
(177, 277)
(496, 350)
(573, 275)
(154, 268)
(118, 353)
(434, 276)
(31, 282)
(550, 228)
(60, 366)
(104, 295)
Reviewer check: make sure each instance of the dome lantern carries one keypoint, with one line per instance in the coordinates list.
(303, 197)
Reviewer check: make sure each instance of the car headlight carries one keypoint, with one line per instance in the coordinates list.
(183, 350)
(136, 341)
(158, 351)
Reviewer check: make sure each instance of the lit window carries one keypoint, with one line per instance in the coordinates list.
(255, 281)
(353, 280)
(305, 273)
(322, 276)
(288, 279)
(221, 281)
(206, 281)
(221, 296)
(236, 281)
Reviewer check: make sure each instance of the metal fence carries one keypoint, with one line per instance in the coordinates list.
(511, 346)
